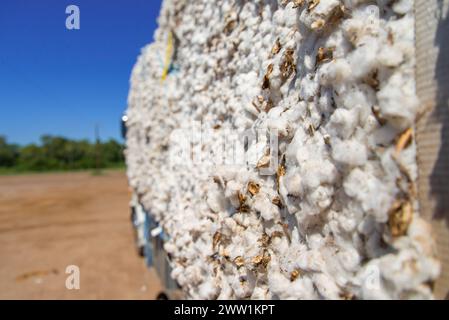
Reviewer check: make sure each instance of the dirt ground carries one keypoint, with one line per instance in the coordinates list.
(51, 221)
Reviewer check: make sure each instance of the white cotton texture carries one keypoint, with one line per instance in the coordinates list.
(333, 82)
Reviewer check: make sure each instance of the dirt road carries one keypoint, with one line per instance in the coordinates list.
(51, 221)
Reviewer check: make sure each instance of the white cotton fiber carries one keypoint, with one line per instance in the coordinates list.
(318, 202)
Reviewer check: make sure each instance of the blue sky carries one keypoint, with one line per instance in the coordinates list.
(64, 82)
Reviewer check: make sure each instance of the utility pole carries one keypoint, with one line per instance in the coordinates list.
(97, 149)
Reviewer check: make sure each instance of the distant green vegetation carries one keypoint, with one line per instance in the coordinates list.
(59, 154)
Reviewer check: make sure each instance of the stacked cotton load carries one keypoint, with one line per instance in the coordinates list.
(320, 200)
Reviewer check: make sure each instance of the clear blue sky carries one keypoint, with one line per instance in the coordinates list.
(63, 82)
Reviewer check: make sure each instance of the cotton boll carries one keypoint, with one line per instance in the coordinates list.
(290, 15)
(354, 3)
(390, 57)
(207, 290)
(359, 96)
(278, 283)
(403, 269)
(311, 179)
(260, 293)
(293, 184)
(369, 191)
(403, 7)
(397, 101)
(364, 59)
(384, 135)
(353, 29)
(315, 241)
(326, 286)
(311, 261)
(329, 173)
(267, 209)
(302, 288)
(321, 198)
(349, 152)
(418, 231)
(342, 123)
(232, 190)
(281, 126)
(325, 101)
(335, 72)
(241, 287)
(315, 173)
(215, 200)
(371, 285)
(322, 11)
(278, 17)
(226, 291)
(177, 274)
(347, 223)
(349, 259)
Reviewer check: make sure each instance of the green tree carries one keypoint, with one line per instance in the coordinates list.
(9, 153)
(32, 158)
(112, 152)
(59, 153)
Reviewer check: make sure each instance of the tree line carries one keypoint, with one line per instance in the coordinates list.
(59, 153)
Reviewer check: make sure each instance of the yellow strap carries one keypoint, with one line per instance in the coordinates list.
(168, 56)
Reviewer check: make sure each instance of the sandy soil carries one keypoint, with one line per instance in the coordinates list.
(50, 221)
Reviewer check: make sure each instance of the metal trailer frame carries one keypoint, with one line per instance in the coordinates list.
(150, 239)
